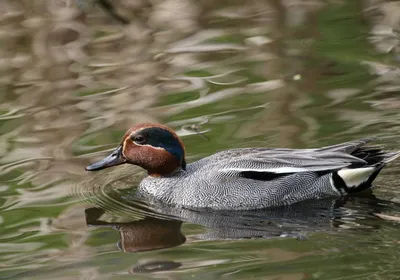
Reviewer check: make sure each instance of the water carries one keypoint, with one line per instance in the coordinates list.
(261, 73)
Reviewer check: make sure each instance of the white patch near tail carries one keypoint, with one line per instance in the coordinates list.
(356, 176)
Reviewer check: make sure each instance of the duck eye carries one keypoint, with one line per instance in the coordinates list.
(139, 139)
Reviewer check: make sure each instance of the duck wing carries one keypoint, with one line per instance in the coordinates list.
(291, 161)
(347, 147)
(348, 155)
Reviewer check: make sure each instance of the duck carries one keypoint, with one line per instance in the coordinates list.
(244, 178)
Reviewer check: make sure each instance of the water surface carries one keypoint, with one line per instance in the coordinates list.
(288, 73)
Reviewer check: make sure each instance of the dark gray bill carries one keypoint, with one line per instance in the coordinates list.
(115, 158)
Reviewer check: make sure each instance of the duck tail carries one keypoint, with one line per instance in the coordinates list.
(390, 157)
(352, 180)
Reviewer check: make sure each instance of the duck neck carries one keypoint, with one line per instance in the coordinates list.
(163, 172)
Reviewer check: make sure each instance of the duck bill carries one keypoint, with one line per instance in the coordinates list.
(116, 158)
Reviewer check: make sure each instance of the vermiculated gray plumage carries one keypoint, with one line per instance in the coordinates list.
(252, 178)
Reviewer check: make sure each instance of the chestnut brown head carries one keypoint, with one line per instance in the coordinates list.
(153, 147)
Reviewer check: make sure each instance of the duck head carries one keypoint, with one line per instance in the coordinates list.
(153, 147)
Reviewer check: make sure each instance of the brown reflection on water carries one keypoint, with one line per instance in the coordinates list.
(70, 76)
(281, 117)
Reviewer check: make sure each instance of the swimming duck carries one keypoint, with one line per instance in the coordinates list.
(246, 178)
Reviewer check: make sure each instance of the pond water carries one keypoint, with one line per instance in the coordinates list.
(224, 75)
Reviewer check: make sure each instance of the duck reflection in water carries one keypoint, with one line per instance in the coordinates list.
(140, 235)
(156, 231)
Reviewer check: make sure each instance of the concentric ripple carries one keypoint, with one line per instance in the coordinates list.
(116, 197)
